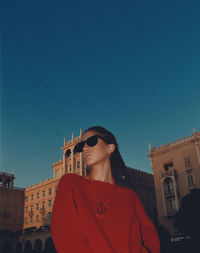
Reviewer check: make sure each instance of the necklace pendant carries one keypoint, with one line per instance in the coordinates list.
(101, 210)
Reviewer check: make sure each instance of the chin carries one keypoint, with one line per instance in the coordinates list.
(89, 164)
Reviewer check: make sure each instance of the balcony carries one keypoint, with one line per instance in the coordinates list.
(171, 212)
(42, 210)
(30, 213)
(169, 194)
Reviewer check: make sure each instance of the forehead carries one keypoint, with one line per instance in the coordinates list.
(89, 134)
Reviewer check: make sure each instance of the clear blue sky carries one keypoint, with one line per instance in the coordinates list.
(130, 66)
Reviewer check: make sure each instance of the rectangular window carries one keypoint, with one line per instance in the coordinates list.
(31, 220)
(43, 205)
(38, 195)
(25, 220)
(170, 204)
(43, 193)
(31, 209)
(49, 191)
(36, 217)
(190, 180)
(26, 209)
(26, 199)
(31, 196)
(49, 215)
(37, 206)
(49, 202)
(56, 174)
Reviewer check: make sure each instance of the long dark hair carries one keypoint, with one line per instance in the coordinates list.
(118, 167)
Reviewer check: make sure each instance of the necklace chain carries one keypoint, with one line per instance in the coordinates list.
(101, 209)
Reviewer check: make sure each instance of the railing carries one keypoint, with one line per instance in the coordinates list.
(169, 193)
(42, 210)
(30, 213)
(190, 137)
(171, 212)
(57, 162)
(9, 187)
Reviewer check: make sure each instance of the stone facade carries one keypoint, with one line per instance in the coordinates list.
(11, 210)
(176, 168)
(143, 184)
(39, 198)
(11, 203)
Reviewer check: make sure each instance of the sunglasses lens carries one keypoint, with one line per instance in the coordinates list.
(92, 141)
(79, 147)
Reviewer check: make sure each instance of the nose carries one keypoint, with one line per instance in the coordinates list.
(85, 147)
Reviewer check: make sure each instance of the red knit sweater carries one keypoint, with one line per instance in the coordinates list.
(75, 227)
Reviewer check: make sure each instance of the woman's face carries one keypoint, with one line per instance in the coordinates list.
(97, 154)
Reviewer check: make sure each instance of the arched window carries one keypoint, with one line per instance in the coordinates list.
(168, 186)
(68, 153)
(49, 246)
(27, 247)
(38, 245)
(18, 247)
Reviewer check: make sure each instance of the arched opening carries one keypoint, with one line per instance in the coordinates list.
(169, 196)
(68, 153)
(38, 246)
(168, 186)
(27, 247)
(18, 247)
(49, 246)
(8, 182)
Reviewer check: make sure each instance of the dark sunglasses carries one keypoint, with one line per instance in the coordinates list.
(91, 142)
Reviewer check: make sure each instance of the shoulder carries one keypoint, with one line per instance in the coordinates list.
(134, 195)
(70, 180)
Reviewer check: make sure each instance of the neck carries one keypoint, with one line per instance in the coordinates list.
(102, 173)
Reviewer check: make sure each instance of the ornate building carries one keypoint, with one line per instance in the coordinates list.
(11, 208)
(176, 168)
(39, 198)
(11, 203)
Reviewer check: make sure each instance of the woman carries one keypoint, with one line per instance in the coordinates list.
(97, 215)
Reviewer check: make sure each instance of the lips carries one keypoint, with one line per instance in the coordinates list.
(87, 155)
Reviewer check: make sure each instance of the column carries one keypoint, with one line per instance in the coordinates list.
(198, 153)
(81, 163)
(72, 161)
(64, 164)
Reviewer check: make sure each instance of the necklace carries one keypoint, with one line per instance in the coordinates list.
(101, 209)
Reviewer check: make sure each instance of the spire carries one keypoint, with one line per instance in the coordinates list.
(194, 132)
(149, 146)
(80, 132)
(64, 141)
(72, 136)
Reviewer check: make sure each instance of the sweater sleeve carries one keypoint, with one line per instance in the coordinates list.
(149, 235)
(66, 230)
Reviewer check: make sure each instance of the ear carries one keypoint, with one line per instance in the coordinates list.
(111, 148)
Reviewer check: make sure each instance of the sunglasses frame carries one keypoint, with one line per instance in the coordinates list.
(81, 144)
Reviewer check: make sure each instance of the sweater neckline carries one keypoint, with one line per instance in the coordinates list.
(100, 181)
